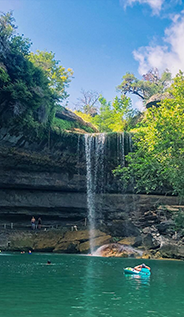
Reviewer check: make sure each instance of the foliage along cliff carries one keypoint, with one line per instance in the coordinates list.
(32, 87)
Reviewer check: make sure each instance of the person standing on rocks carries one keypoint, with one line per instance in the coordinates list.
(33, 223)
(39, 223)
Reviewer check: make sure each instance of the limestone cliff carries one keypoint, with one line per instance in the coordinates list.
(48, 180)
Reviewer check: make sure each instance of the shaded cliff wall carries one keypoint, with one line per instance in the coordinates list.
(39, 173)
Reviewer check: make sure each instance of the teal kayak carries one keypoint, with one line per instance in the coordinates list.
(130, 270)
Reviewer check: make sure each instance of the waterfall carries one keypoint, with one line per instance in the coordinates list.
(104, 152)
(122, 149)
(78, 160)
(94, 149)
(130, 142)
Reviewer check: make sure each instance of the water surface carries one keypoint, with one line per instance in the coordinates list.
(87, 286)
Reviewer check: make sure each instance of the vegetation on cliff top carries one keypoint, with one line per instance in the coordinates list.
(31, 85)
(115, 116)
(157, 162)
(152, 83)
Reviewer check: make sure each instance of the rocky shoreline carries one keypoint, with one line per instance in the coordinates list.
(156, 241)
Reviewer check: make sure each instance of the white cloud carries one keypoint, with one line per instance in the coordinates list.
(139, 105)
(169, 55)
(156, 5)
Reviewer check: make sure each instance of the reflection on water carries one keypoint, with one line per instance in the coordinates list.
(89, 290)
(138, 280)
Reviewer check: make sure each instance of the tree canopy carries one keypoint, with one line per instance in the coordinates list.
(115, 116)
(151, 84)
(57, 75)
(27, 89)
(157, 163)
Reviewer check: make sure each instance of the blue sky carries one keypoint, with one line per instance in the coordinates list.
(101, 40)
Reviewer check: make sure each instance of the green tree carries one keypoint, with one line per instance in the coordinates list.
(58, 77)
(157, 164)
(24, 88)
(116, 116)
(7, 28)
(151, 84)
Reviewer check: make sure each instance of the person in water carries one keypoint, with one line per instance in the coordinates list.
(141, 266)
(48, 262)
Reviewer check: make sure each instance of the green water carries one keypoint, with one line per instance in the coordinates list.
(87, 286)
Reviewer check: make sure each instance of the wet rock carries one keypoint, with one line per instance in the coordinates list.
(151, 241)
(22, 244)
(67, 247)
(46, 241)
(127, 241)
(85, 246)
(132, 241)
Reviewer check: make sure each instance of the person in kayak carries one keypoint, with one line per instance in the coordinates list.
(141, 266)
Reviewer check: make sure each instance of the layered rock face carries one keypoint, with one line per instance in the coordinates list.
(51, 184)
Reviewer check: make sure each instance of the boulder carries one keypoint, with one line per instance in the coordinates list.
(118, 250)
(166, 227)
(69, 115)
(157, 98)
(150, 241)
(169, 250)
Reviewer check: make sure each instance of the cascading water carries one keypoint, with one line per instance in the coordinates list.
(78, 158)
(121, 149)
(101, 159)
(94, 148)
